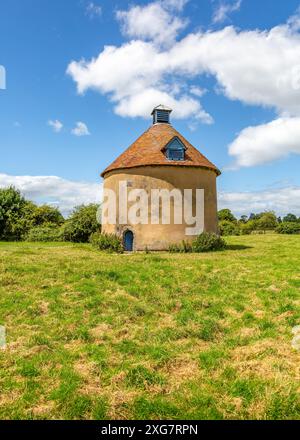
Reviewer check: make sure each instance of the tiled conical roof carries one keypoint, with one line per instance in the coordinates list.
(148, 149)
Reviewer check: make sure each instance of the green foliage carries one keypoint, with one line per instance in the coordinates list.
(106, 242)
(45, 233)
(18, 215)
(249, 227)
(288, 228)
(290, 218)
(226, 214)
(229, 228)
(268, 221)
(81, 224)
(207, 242)
(15, 214)
(47, 214)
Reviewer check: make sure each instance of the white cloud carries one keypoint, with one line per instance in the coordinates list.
(232, 56)
(282, 201)
(151, 74)
(63, 193)
(294, 20)
(56, 125)
(81, 129)
(175, 4)
(142, 103)
(224, 9)
(139, 85)
(152, 22)
(267, 142)
(197, 91)
(93, 10)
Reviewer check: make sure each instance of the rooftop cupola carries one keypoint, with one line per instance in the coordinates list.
(161, 114)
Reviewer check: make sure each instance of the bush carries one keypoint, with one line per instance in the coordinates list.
(106, 242)
(249, 227)
(81, 224)
(208, 241)
(229, 228)
(288, 228)
(46, 233)
(205, 242)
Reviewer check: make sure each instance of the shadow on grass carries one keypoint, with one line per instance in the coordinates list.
(237, 247)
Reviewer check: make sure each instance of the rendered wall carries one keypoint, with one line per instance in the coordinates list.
(159, 237)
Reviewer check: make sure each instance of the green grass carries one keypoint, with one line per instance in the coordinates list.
(94, 335)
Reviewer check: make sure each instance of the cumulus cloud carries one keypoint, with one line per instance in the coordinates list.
(139, 74)
(53, 190)
(267, 142)
(80, 129)
(154, 21)
(142, 103)
(224, 9)
(56, 125)
(282, 201)
(139, 85)
(231, 56)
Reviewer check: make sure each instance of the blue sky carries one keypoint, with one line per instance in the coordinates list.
(224, 65)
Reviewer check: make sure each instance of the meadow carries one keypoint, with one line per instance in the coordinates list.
(150, 336)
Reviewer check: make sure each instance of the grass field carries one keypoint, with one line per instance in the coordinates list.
(92, 335)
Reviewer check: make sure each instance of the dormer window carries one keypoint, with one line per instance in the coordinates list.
(175, 150)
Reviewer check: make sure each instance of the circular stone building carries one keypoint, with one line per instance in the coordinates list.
(161, 159)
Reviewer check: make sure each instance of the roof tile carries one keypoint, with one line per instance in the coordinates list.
(148, 150)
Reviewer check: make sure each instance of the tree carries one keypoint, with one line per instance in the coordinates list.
(15, 214)
(18, 215)
(243, 219)
(228, 228)
(47, 214)
(268, 221)
(249, 227)
(81, 224)
(226, 214)
(255, 216)
(292, 218)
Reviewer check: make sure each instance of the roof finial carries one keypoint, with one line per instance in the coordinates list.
(161, 114)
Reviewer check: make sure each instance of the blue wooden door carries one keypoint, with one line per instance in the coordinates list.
(128, 241)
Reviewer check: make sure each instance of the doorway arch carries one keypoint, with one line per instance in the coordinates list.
(128, 241)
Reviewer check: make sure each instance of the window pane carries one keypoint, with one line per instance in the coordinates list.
(176, 154)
